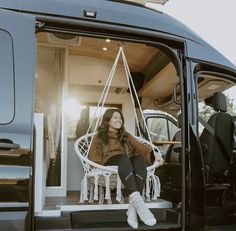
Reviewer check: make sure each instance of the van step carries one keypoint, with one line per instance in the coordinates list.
(108, 218)
(102, 220)
(52, 223)
(125, 227)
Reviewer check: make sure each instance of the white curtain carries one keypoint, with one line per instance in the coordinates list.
(59, 76)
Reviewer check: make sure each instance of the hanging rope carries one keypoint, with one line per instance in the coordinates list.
(105, 91)
(104, 94)
(132, 86)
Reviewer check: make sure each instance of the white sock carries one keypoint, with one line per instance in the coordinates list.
(144, 213)
(132, 217)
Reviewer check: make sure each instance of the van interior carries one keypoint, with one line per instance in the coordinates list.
(71, 72)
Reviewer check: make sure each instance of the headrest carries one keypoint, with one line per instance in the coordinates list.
(219, 102)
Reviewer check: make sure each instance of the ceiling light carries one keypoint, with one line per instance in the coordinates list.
(104, 49)
(108, 40)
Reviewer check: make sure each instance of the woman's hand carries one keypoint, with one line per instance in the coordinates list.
(159, 157)
(161, 161)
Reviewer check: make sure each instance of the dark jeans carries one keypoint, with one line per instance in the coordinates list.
(132, 171)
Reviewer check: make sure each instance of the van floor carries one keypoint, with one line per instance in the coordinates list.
(73, 197)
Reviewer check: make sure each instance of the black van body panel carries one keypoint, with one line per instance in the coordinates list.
(124, 14)
(18, 17)
(21, 28)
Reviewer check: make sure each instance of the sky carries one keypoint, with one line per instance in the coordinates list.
(213, 20)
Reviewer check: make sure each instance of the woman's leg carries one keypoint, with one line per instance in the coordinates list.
(140, 171)
(125, 171)
(126, 174)
(127, 177)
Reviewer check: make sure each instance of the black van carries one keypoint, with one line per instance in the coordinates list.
(55, 59)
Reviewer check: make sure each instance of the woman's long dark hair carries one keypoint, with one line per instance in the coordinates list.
(104, 127)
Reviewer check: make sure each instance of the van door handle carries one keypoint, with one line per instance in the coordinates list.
(6, 146)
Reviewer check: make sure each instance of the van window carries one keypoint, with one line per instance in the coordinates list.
(158, 128)
(6, 78)
(161, 128)
(172, 129)
(206, 111)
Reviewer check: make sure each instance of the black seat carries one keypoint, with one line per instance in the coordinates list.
(218, 151)
(217, 143)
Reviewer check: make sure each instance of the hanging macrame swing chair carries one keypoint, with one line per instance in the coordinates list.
(96, 176)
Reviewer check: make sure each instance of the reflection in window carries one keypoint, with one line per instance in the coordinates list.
(158, 131)
(157, 128)
(172, 129)
(7, 100)
(161, 129)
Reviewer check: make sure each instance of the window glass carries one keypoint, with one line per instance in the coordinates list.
(157, 128)
(172, 129)
(161, 129)
(158, 131)
(206, 111)
(6, 78)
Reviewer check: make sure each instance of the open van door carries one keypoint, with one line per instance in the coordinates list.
(215, 88)
(17, 58)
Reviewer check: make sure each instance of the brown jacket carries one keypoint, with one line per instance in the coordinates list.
(100, 153)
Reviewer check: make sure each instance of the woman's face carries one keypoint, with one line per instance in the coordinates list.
(115, 121)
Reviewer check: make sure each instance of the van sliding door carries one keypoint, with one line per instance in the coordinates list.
(17, 58)
(16, 78)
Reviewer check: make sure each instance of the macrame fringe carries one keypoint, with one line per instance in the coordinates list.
(95, 197)
(101, 195)
(84, 189)
(91, 193)
(148, 188)
(151, 191)
(156, 187)
(108, 190)
(152, 188)
(118, 190)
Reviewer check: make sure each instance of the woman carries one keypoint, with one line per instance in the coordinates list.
(112, 145)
